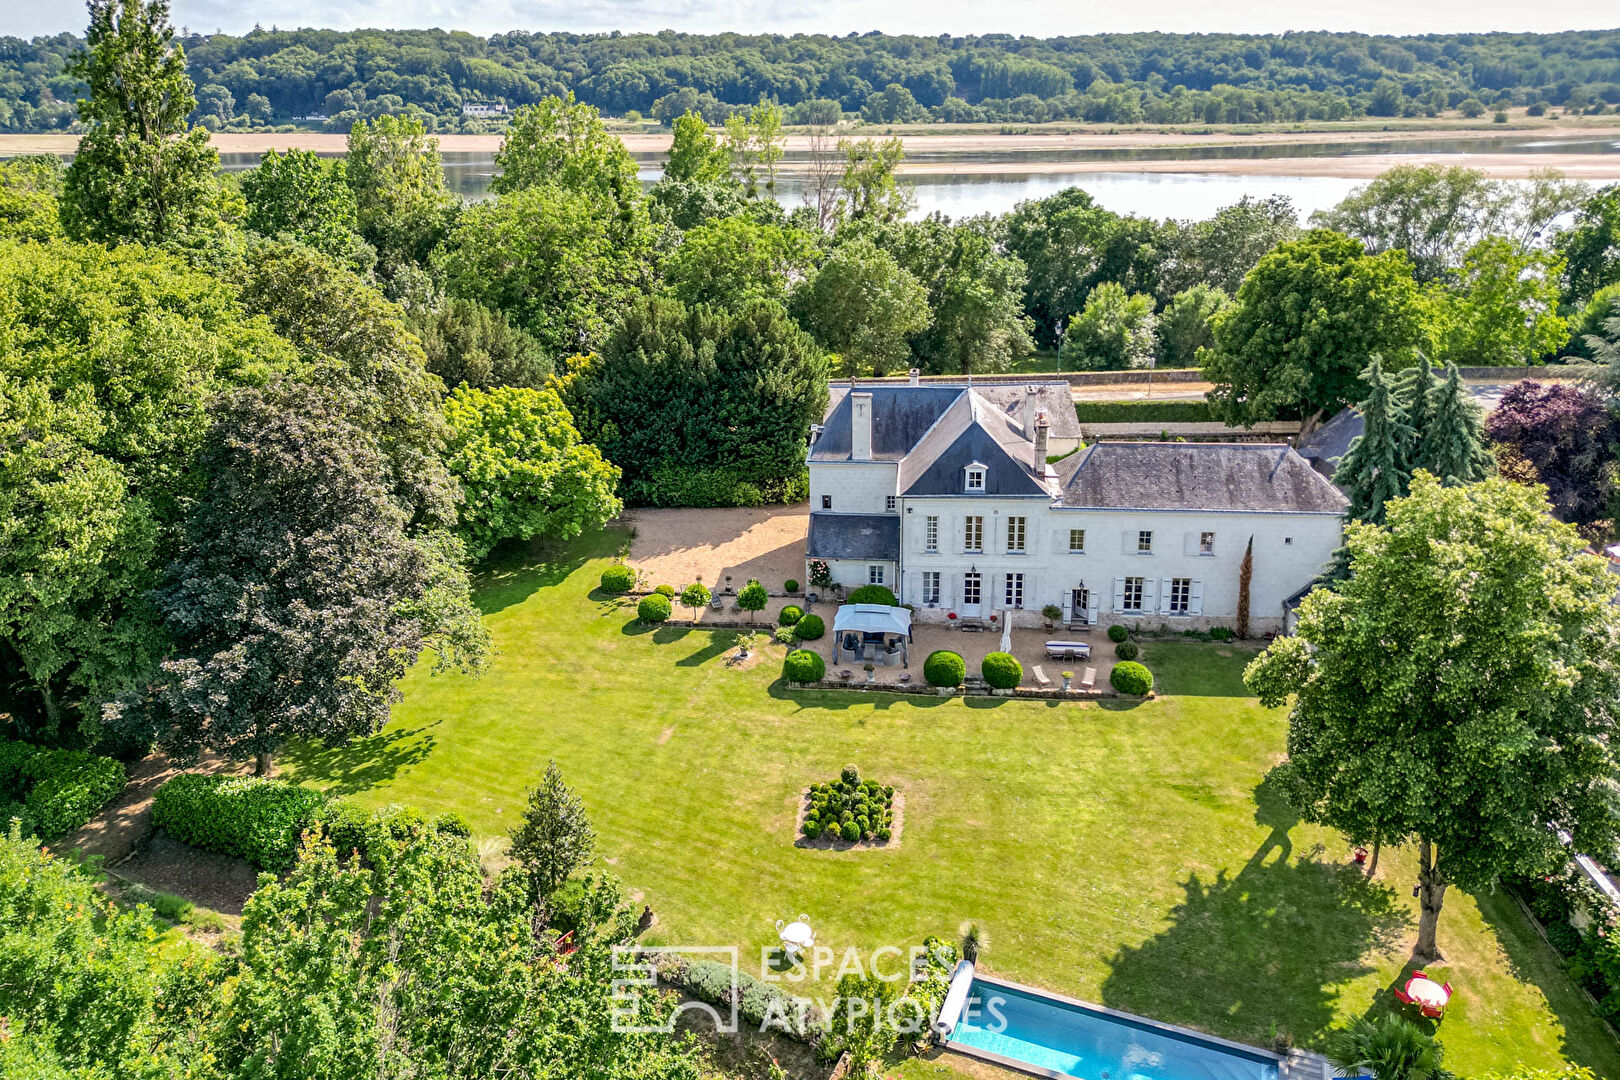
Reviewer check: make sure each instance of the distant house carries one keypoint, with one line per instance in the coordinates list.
(944, 494)
(483, 109)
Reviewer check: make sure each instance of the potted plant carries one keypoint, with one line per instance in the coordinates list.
(950, 619)
(1051, 613)
(871, 673)
(1067, 675)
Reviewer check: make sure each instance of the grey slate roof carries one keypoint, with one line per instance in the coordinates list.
(1327, 444)
(971, 431)
(1054, 399)
(853, 536)
(900, 417)
(1195, 476)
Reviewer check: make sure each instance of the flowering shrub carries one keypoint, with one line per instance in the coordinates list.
(820, 574)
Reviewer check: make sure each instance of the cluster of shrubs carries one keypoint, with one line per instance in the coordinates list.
(618, 579)
(54, 791)
(250, 817)
(804, 666)
(1593, 958)
(850, 808)
(357, 831)
(873, 594)
(1001, 671)
(756, 1001)
(1129, 677)
(944, 668)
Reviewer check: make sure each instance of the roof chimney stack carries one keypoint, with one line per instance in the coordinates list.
(916, 376)
(1026, 419)
(860, 426)
(1042, 428)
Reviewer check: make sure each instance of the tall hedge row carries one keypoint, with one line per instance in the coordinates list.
(250, 817)
(55, 791)
(1143, 412)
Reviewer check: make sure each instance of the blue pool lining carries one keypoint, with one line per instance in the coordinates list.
(1169, 1030)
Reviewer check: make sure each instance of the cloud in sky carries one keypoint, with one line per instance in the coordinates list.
(1037, 17)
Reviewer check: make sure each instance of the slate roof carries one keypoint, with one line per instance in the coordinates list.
(1195, 476)
(1055, 399)
(971, 431)
(853, 536)
(1327, 444)
(901, 415)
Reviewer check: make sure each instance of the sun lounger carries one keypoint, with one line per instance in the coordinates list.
(1040, 677)
(1089, 680)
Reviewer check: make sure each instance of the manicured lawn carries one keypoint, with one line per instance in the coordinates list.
(1130, 854)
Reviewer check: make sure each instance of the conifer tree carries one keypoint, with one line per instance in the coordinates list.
(1377, 467)
(1414, 388)
(1451, 441)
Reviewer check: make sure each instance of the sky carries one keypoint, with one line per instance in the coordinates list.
(25, 18)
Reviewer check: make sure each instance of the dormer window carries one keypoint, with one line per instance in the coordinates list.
(975, 478)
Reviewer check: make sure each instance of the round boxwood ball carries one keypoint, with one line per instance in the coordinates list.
(790, 615)
(1118, 633)
(884, 834)
(812, 828)
(790, 586)
(1002, 670)
(1126, 650)
(851, 831)
(666, 591)
(618, 579)
(809, 628)
(654, 607)
(873, 594)
(803, 665)
(1129, 677)
(944, 668)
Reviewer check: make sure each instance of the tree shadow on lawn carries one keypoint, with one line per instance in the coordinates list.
(1255, 954)
(834, 698)
(515, 572)
(361, 764)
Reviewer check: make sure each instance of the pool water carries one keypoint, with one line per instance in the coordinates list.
(1092, 1044)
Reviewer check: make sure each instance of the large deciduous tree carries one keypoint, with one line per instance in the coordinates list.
(1218, 251)
(730, 261)
(1590, 247)
(1434, 213)
(1563, 437)
(1457, 690)
(1304, 323)
(559, 142)
(1500, 308)
(1114, 331)
(466, 342)
(402, 205)
(139, 173)
(1186, 327)
(863, 306)
(298, 196)
(524, 471)
(291, 605)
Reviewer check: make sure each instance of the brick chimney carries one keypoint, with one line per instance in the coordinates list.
(1042, 428)
(860, 426)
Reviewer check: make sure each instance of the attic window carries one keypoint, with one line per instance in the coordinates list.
(975, 478)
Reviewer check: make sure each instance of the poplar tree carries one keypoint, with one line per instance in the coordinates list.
(1377, 467)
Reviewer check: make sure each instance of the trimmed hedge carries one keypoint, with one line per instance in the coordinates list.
(666, 591)
(709, 981)
(676, 485)
(1127, 650)
(790, 615)
(654, 608)
(353, 828)
(790, 586)
(1143, 412)
(618, 579)
(251, 817)
(1117, 633)
(944, 668)
(809, 628)
(1001, 671)
(803, 665)
(873, 594)
(1129, 677)
(55, 791)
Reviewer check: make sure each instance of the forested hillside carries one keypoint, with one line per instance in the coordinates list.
(272, 77)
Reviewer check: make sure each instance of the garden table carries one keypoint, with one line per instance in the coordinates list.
(796, 937)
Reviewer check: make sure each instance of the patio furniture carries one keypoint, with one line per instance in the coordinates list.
(1040, 677)
(905, 676)
(1430, 997)
(1068, 650)
(871, 633)
(1088, 681)
(796, 937)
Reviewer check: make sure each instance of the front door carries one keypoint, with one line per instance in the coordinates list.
(972, 585)
(1079, 604)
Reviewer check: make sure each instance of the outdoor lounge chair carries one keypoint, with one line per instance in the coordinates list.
(1088, 681)
(1040, 677)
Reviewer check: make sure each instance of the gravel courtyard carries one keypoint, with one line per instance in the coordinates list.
(678, 547)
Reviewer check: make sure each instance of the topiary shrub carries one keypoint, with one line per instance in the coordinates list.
(1118, 633)
(809, 628)
(1127, 650)
(803, 665)
(944, 668)
(69, 787)
(1002, 671)
(654, 608)
(666, 591)
(251, 817)
(618, 579)
(790, 586)
(1129, 677)
(790, 615)
(851, 831)
(1222, 633)
(812, 828)
(873, 594)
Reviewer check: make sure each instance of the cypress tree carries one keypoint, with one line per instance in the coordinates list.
(1451, 442)
(1377, 467)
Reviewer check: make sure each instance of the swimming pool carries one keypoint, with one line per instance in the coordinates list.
(1053, 1036)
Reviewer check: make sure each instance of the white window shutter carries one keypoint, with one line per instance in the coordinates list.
(1195, 603)
(1029, 592)
(1119, 594)
(1092, 603)
(1164, 595)
(1150, 598)
(1127, 542)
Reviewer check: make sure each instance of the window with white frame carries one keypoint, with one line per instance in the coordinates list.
(970, 589)
(1144, 542)
(1077, 541)
(889, 502)
(1133, 595)
(1206, 543)
(874, 574)
(930, 586)
(1013, 593)
(975, 478)
(931, 533)
(973, 534)
(1016, 529)
(1180, 595)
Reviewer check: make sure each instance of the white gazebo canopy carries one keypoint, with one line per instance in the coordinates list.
(872, 619)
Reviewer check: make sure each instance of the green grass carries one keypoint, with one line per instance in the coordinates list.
(1143, 412)
(1131, 854)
